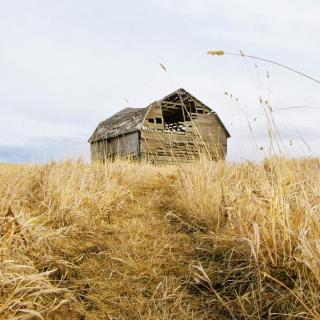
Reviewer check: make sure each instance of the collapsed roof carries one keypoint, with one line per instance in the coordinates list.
(130, 119)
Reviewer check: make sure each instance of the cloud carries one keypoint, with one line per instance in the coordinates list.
(43, 149)
(67, 65)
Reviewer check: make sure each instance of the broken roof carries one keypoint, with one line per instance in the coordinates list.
(130, 119)
(125, 121)
(184, 94)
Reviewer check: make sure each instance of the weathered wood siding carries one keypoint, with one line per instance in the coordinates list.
(126, 145)
(212, 134)
(168, 147)
(97, 149)
(203, 135)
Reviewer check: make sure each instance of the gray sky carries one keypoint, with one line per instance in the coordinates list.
(66, 65)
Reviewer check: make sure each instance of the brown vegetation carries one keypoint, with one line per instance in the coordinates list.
(134, 241)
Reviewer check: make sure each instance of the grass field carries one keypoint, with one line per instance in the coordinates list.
(134, 241)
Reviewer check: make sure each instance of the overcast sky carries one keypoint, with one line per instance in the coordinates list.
(65, 65)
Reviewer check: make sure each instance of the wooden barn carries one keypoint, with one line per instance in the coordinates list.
(177, 128)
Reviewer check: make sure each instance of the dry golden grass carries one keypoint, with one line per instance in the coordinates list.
(134, 241)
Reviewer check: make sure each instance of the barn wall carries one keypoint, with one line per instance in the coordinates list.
(204, 134)
(168, 147)
(98, 150)
(126, 145)
(213, 134)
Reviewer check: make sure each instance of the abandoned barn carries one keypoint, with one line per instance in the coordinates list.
(177, 128)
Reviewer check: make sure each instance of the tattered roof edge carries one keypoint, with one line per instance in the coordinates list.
(130, 120)
(125, 121)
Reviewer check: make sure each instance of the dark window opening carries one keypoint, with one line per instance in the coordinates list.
(178, 111)
(200, 111)
(190, 106)
(150, 120)
(174, 114)
(174, 118)
(158, 120)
